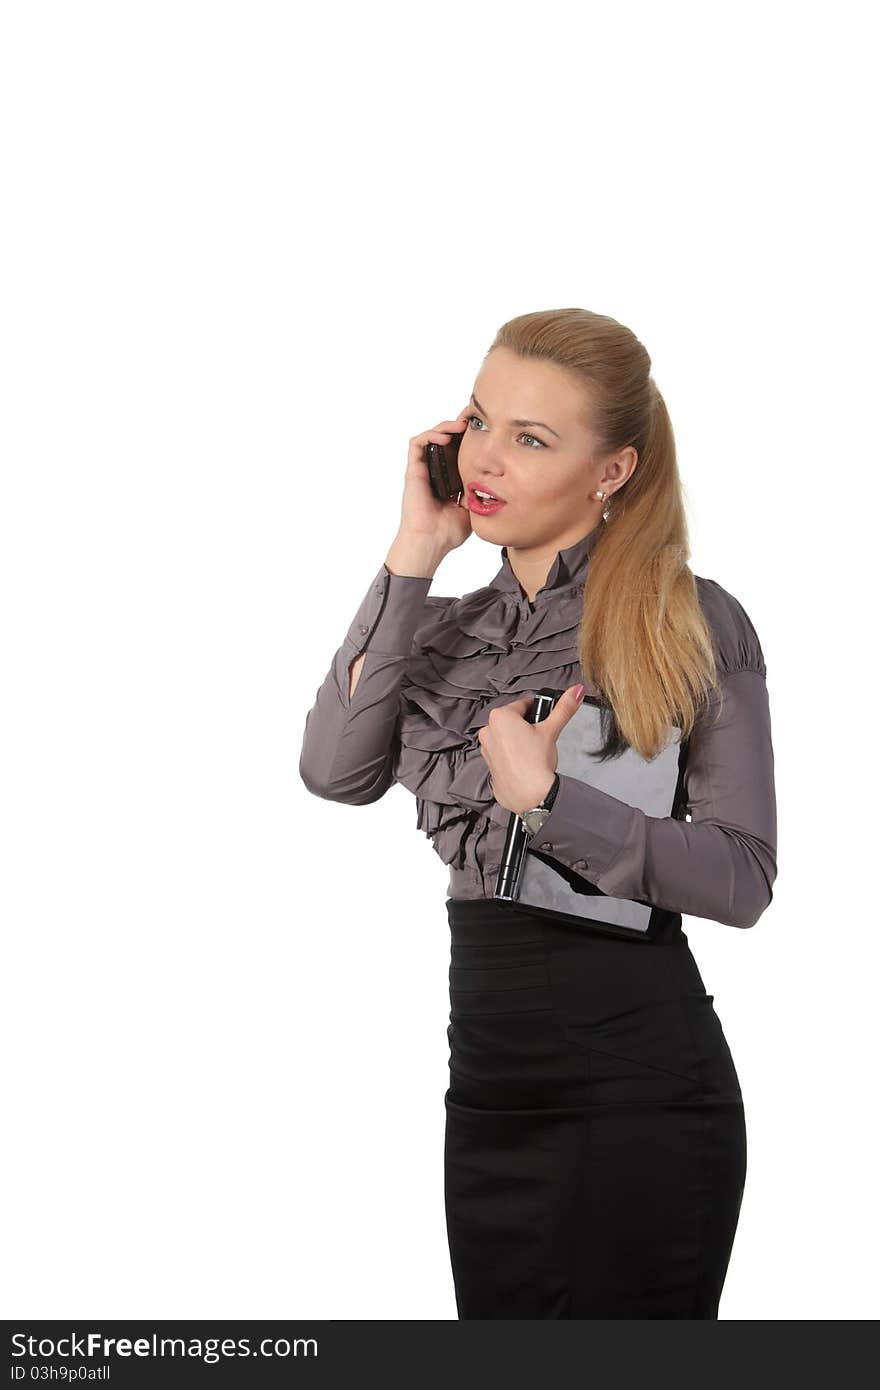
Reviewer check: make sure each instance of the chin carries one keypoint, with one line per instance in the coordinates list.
(489, 528)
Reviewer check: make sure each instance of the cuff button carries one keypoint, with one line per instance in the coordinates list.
(363, 629)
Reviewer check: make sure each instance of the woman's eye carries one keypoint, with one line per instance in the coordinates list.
(540, 443)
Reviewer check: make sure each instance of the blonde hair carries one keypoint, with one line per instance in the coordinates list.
(644, 642)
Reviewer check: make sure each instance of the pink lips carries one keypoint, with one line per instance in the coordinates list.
(475, 504)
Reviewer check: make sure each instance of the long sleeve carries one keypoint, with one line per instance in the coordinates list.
(722, 863)
(348, 744)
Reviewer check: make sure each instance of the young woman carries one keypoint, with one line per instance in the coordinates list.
(595, 1152)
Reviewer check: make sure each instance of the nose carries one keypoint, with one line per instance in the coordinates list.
(485, 464)
(484, 468)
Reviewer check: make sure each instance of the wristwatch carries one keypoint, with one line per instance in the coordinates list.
(535, 818)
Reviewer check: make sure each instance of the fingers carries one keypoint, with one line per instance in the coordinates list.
(446, 429)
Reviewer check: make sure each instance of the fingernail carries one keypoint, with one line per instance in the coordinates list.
(579, 692)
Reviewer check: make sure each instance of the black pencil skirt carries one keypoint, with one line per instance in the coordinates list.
(595, 1149)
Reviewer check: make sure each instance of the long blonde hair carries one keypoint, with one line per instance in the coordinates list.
(643, 642)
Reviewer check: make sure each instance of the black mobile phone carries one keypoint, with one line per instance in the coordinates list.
(442, 461)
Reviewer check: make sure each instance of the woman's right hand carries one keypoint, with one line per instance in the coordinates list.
(423, 518)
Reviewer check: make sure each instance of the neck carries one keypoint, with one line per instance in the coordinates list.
(532, 564)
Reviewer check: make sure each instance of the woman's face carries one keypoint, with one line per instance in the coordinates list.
(546, 471)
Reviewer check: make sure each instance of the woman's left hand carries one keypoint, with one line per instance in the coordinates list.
(522, 756)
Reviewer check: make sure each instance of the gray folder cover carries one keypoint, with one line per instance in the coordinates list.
(649, 785)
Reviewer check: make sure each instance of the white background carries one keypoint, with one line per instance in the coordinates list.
(248, 251)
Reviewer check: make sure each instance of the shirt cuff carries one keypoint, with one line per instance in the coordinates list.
(589, 831)
(389, 614)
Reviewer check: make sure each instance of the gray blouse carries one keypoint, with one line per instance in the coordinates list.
(435, 667)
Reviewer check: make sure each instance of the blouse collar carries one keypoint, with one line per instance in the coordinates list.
(568, 569)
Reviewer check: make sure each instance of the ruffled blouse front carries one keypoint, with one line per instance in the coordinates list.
(474, 653)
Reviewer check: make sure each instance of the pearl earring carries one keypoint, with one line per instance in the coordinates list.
(600, 496)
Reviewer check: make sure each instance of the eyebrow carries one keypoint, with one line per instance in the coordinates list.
(539, 423)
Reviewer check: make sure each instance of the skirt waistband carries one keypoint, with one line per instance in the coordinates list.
(475, 921)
